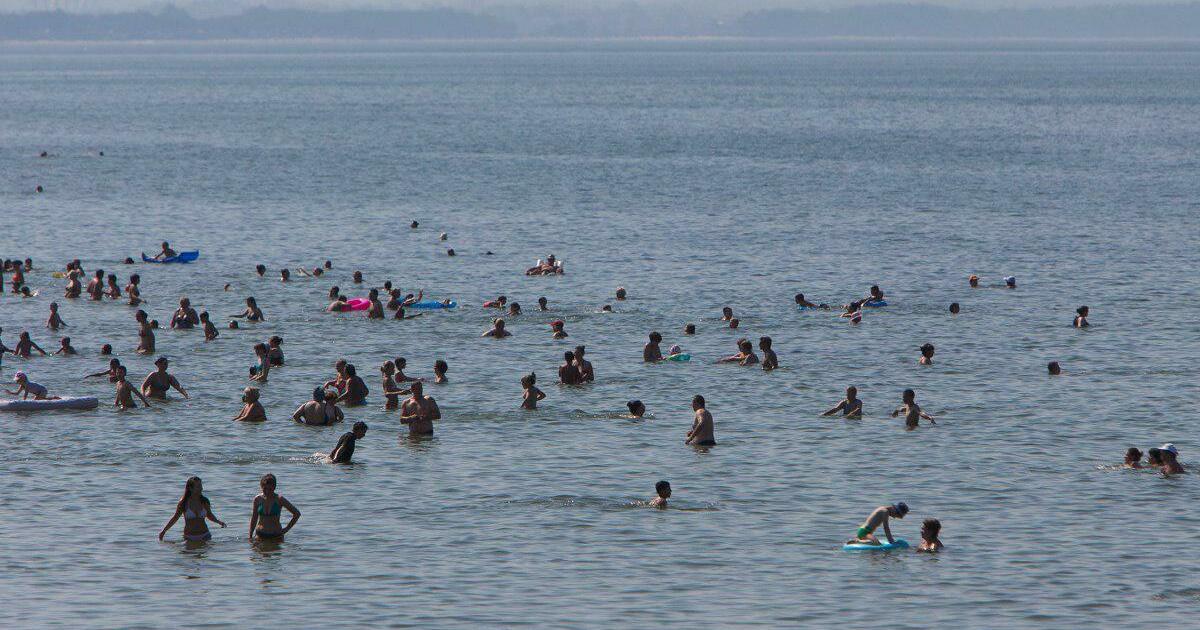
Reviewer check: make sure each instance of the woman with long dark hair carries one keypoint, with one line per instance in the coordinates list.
(194, 508)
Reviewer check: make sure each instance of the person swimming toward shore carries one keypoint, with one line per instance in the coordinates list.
(851, 406)
(651, 352)
(1133, 458)
(926, 354)
(745, 355)
(802, 302)
(126, 391)
(194, 507)
(930, 530)
(419, 412)
(1081, 315)
(157, 383)
(252, 410)
(55, 321)
(702, 431)
(27, 388)
(497, 330)
(663, 491)
(531, 394)
(499, 302)
(344, 450)
(911, 410)
(769, 360)
(266, 509)
(637, 408)
(65, 349)
(879, 518)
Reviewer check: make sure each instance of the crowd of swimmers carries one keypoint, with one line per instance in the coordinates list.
(419, 411)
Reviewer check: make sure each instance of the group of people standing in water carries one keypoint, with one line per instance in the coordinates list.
(404, 393)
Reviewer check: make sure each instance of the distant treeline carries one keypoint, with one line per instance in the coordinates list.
(1176, 21)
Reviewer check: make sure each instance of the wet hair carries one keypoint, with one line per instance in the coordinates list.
(135, 278)
(1053, 367)
(662, 487)
(515, 307)
(931, 526)
(542, 301)
(954, 307)
(440, 367)
(579, 350)
(621, 293)
(744, 345)
(187, 492)
(655, 337)
(400, 362)
(1133, 454)
(66, 341)
(726, 310)
(261, 269)
(799, 298)
(329, 264)
(764, 342)
(927, 348)
(733, 323)
(634, 405)
(351, 370)
(689, 329)
(569, 356)
(267, 478)
(318, 394)
(1082, 310)
(450, 252)
(106, 349)
(360, 425)
(527, 380)
(276, 339)
(698, 400)
(908, 393)
(1154, 456)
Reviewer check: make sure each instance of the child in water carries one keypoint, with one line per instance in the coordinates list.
(929, 536)
(1133, 458)
(926, 354)
(637, 408)
(54, 322)
(880, 517)
(64, 348)
(851, 406)
(532, 394)
(769, 360)
(911, 410)
(663, 490)
(557, 327)
(27, 388)
(210, 331)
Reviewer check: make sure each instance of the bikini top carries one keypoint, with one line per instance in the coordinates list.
(275, 510)
(189, 514)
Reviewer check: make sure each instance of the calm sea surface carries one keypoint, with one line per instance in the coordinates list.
(695, 175)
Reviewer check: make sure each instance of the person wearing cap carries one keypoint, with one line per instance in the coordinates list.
(851, 406)
(27, 388)
(973, 280)
(1010, 282)
(651, 352)
(1170, 462)
(158, 382)
(344, 450)
(1054, 368)
(880, 517)
(926, 354)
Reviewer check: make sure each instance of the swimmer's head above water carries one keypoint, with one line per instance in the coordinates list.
(636, 408)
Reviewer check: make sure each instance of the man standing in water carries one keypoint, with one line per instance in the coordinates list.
(345, 447)
(419, 412)
(159, 381)
(702, 426)
(586, 375)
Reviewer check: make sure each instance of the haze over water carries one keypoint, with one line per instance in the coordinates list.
(696, 175)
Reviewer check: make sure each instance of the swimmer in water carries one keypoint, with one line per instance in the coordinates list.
(339, 305)
(358, 277)
(285, 275)
(112, 291)
(210, 331)
(252, 312)
(262, 370)
(557, 328)
(166, 252)
(74, 288)
(133, 289)
(880, 517)
(769, 361)
(911, 410)
(852, 310)
(499, 302)
(312, 411)
(111, 372)
(439, 372)
(1133, 458)
(158, 382)
(954, 308)
(607, 308)
(1081, 315)
(514, 309)
(375, 308)
(663, 490)
(419, 412)
(391, 393)
(497, 331)
(1054, 368)
(54, 322)
(701, 433)
(126, 391)
(106, 350)
(621, 294)
(185, 316)
(568, 374)
(851, 406)
(930, 530)
(637, 408)
(1170, 462)
(745, 355)
(1010, 282)
(973, 281)
(651, 353)
(26, 346)
(926, 354)
(586, 373)
(356, 389)
(402, 314)
(803, 303)
(689, 329)
(531, 394)
(726, 314)
(64, 348)
(542, 304)
(875, 295)
(334, 292)
(275, 351)
(95, 288)
(265, 511)
(261, 270)
(194, 507)
(344, 449)
(27, 388)
(252, 410)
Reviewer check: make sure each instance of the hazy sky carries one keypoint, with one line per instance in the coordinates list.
(700, 6)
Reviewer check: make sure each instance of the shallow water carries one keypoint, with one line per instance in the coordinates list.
(697, 176)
